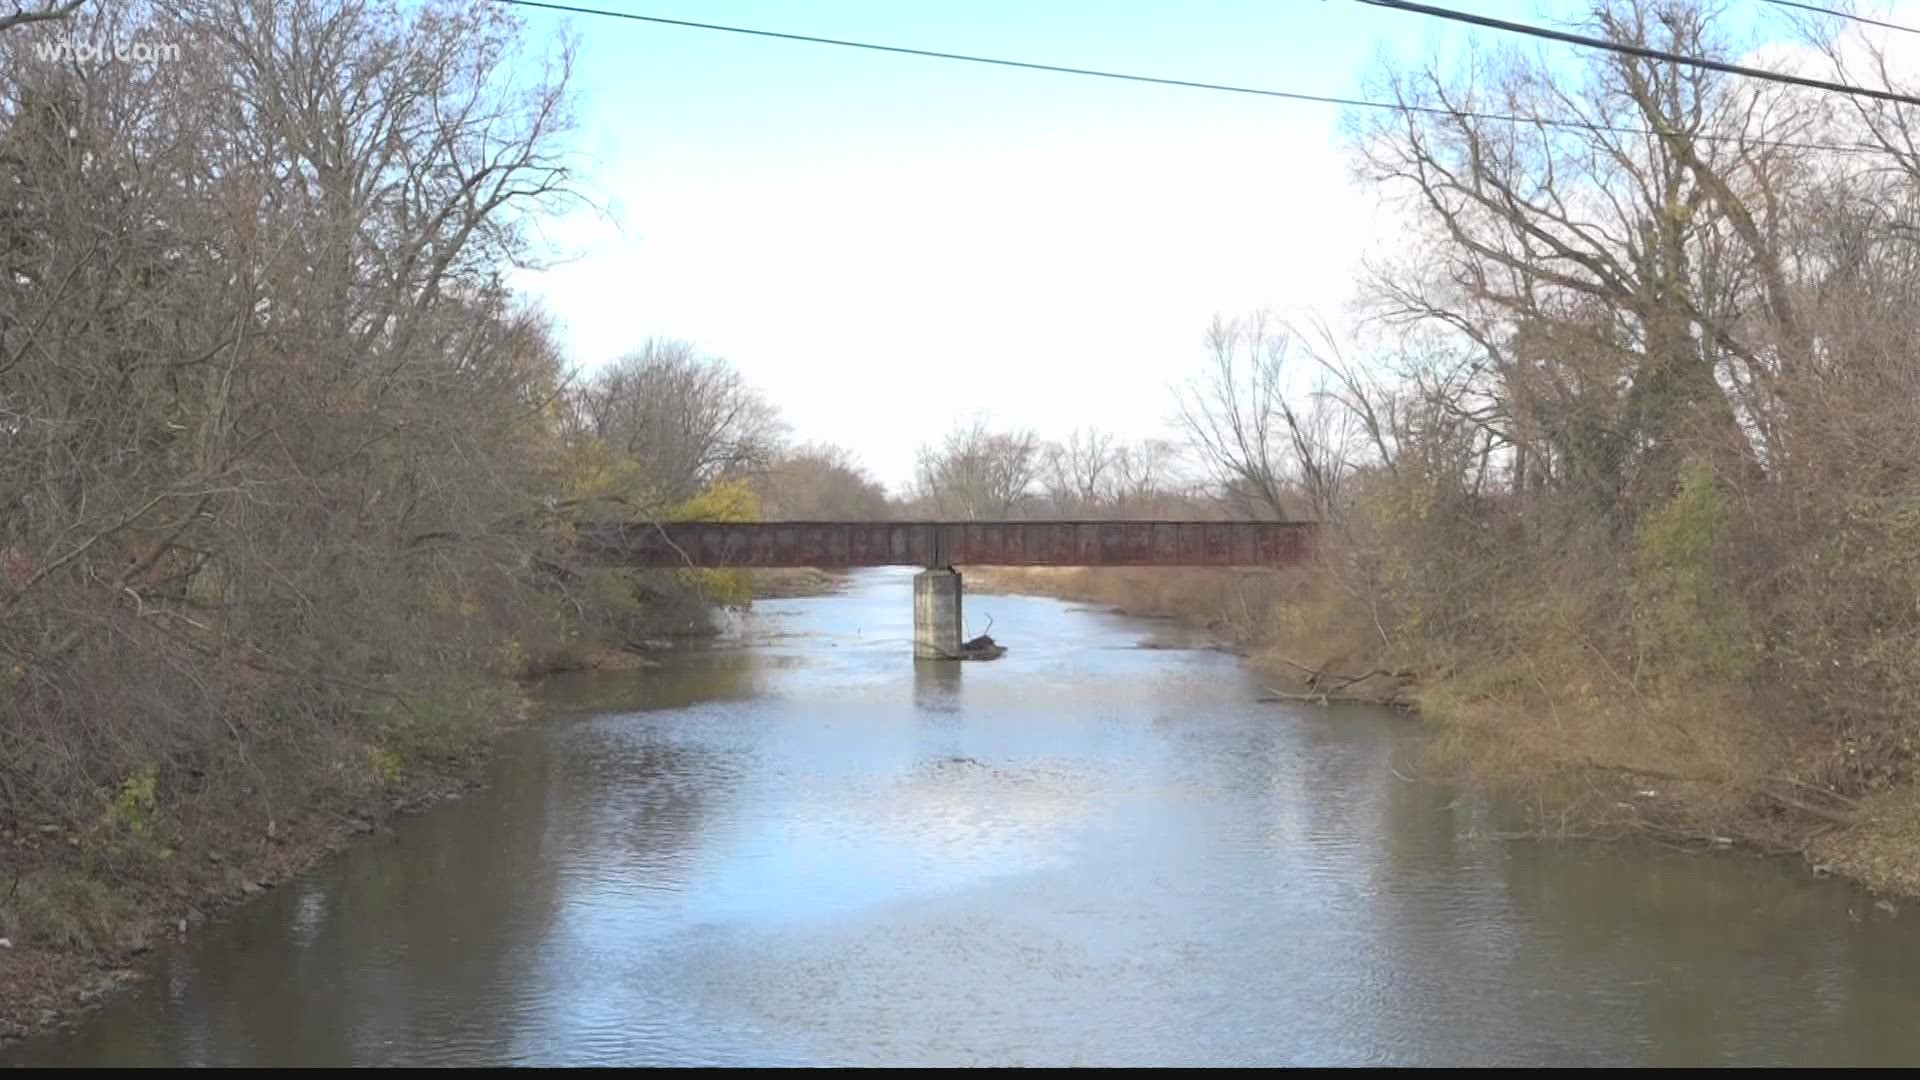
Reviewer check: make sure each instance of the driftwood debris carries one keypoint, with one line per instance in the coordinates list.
(1326, 688)
(1273, 695)
(982, 647)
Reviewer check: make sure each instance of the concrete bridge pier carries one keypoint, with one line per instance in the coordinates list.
(936, 614)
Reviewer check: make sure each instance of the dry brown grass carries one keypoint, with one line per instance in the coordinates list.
(1228, 601)
(1883, 851)
(781, 584)
(1286, 621)
(1548, 710)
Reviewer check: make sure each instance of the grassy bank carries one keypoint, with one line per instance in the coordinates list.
(784, 584)
(84, 896)
(1227, 604)
(83, 902)
(1549, 718)
(1283, 621)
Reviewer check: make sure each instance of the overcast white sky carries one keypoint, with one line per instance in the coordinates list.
(889, 246)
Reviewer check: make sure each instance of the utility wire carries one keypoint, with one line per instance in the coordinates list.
(1288, 95)
(1845, 15)
(1639, 50)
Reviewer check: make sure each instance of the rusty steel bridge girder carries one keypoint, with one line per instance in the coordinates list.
(842, 544)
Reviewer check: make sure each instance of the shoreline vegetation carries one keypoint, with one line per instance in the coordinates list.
(290, 481)
(84, 953)
(1614, 472)
(787, 584)
(237, 853)
(1314, 646)
(1614, 469)
(80, 935)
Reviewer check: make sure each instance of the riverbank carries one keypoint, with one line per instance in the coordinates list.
(82, 912)
(1213, 601)
(80, 907)
(1676, 764)
(1006, 809)
(788, 584)
(1235, 609)
(114, 903)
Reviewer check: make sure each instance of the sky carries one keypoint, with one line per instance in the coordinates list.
(889, 247)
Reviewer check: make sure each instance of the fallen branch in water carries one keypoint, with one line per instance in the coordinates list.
(1590, 765)
(1834, 816)
(981, 648)
(1317, 677)
(1326, 697)
(1827, 792)
(1325, 688)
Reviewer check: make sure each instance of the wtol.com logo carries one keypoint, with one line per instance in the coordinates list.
(100, 52)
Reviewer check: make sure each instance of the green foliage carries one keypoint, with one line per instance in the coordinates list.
(728, 500)
(387, 766)
(1678, 540)
(446, 714)
(132, 806)
(605, 482)
(63, 910)
(1687, 615)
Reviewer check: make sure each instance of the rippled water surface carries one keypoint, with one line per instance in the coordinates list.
(801, 847)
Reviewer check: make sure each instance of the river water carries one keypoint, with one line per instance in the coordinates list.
(799, 847)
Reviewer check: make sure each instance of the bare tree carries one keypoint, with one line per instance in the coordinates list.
(263, 404)
(690, 419)
(822, 482)
(1260, 448)
(977, 473)
(47, 12)
(1079, 475)
(1146, 473)
(1637, 227)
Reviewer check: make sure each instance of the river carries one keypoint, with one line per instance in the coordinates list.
(796, 846)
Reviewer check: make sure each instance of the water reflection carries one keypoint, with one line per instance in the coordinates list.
(680, 678)
(804, 848)
(936, 686)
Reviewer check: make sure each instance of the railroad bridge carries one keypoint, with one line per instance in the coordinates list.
(940, 546)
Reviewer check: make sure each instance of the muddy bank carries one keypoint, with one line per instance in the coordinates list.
(120, 905)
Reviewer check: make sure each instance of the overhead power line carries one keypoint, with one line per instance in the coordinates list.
(1640, 51)
(1816, 9)
(903, 50)
(1287, 95)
